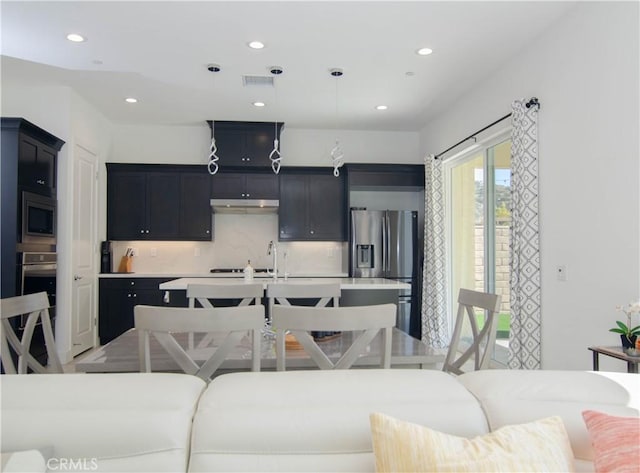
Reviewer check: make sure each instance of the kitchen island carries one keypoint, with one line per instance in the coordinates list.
(355, 291)
(345, 283)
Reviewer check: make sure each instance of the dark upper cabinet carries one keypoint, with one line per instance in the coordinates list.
(195, 210)
(126, 205)
(312, 206)
(157, 203)
(163, 206)
(35, 151)
(244, 144)
(326, 207)
(292, 211)
(385, 176)
(37, 165)
(236, 185)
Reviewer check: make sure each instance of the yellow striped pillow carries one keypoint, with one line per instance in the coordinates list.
(538, 446)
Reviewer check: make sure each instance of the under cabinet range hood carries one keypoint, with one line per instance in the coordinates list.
(244, 206)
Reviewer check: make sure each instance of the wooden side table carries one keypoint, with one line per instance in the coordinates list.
(615, 352)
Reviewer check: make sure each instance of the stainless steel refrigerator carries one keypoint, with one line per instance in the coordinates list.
(383, 244)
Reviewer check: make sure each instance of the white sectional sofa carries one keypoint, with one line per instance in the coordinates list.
(287, 421)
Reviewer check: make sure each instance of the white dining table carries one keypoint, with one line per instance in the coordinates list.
(121, 354)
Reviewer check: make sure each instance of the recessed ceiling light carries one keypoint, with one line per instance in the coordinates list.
(424, 51)
(76, 38)
(256, 45)
(409, 73)
(381, 107)
(131, 100)
(258, 104)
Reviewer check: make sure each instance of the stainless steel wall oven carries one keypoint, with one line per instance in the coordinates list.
(37, 273)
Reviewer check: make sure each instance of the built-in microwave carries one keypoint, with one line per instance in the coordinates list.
(38, 219)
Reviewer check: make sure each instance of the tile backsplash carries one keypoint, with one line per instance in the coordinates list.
(237, 238)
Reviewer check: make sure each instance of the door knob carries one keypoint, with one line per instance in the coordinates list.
(76, 277)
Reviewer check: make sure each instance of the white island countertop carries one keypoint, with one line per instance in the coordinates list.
(260, 275)
(345, 283)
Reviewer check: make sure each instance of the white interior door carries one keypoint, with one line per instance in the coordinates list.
(85, 255)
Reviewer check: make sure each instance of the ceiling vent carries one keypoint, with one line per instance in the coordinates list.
(257, 81)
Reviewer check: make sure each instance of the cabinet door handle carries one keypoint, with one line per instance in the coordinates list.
(141, 231)
(311, 231)
(40, 181)
(129, 295)
(248, 159)
(248, 195)
(146, 231)
(207, 232)
(135, 295)
(133, 283)
(241, 195)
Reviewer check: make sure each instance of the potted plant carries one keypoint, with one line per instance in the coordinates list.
(628, 334)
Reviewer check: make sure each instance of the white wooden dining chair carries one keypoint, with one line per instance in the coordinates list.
(203, 294)
(233, 322)
(478, 347)
(35, 309)
(249, 293)
(368, 320)
(284, 293)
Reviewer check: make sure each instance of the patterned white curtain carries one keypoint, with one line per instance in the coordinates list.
(525, 332)
(435, 326)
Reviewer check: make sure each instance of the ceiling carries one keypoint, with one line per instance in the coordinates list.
(158, 52)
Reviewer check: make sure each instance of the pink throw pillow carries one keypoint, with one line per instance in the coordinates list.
(616, 441)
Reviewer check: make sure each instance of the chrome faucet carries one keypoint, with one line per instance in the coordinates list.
(273, 250)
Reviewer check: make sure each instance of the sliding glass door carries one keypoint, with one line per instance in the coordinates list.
(479, 217)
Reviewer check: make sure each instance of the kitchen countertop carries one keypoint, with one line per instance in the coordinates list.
(217, 275)
(345, 283)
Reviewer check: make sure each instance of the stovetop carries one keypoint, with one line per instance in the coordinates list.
(237, 270)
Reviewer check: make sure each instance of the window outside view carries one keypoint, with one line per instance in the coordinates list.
(479, 238)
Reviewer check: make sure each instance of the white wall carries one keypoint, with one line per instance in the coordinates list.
(584, 70)
(60, 111)
(300, 147)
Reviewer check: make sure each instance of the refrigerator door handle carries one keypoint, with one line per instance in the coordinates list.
(385, 242)
(387, 246)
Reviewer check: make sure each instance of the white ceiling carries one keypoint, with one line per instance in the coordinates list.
(158, 52)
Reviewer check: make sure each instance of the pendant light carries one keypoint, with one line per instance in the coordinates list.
(212, 165)
(275, 155)
(337, 156)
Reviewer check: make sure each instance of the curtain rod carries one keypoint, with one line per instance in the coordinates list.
(533, 101)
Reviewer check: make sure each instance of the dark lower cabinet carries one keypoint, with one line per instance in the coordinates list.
(312, 206)
(118, 297)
